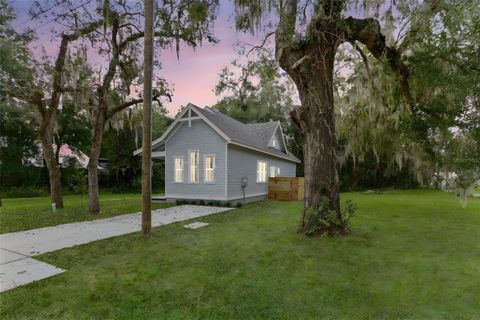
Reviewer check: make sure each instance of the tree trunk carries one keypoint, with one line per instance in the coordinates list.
(322, 187)
(45, 135)
(53, 170)
(316, 120)
(147, 121)
(95, 149)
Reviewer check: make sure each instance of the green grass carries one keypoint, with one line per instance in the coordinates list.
(411, 255)
(30, 213)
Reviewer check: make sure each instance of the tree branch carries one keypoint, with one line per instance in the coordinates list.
(368, 32)
(133, 102)
(138, 35)
(123, 106)
(36, 99)
(114, 61)
(263, 43)
(364, 58)
(285, 28)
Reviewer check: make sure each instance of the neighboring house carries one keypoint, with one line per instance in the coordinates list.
(211, 156)
(67, 156)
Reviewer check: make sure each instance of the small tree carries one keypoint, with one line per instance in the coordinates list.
(462, 158)
(80, 183)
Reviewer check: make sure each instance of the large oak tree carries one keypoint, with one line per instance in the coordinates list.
(308, 35)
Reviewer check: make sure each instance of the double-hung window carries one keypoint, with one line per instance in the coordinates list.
(193, 162)
(178, 169)
(261, 171)
(209, 164)
(273, 171)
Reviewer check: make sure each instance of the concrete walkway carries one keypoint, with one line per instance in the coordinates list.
(16, 249)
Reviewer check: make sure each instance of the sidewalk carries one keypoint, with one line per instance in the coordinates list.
(16, 249)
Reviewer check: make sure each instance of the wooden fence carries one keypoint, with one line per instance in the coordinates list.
(286, 188)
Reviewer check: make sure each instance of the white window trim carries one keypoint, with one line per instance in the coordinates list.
(190, 167)
(205, 168)
(266, 171)
(175, 169)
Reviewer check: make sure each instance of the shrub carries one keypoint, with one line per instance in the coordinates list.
(325, 220)
(239, 205)
(201, 202)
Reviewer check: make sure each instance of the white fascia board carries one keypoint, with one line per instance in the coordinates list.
(156, 141)
(265, 152)
(214, 127)
(279, 126)
(172, 125)
(283, 136)
(158, 154)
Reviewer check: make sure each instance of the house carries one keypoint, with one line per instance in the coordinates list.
(67, 156)
(211, 156)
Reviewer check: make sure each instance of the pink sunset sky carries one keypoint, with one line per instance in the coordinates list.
(193, 76)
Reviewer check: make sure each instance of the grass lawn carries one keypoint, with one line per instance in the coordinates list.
(411, 255)
(30, 213)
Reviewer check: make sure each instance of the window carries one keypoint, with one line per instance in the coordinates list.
(278, 171)
(193, 158)
(273, 172)
(209, 168)
(261, 171)
(178, 169)
(274, 143)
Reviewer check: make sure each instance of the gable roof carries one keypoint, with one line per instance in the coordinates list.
(264, 130)
(255, 136)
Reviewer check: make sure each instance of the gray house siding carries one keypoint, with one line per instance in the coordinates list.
(242, 162)
(200, 136)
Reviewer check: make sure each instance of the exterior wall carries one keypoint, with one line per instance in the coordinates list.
(200, 136)
(242, 162)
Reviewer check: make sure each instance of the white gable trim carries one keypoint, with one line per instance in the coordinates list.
(279, 126)
(177, 120)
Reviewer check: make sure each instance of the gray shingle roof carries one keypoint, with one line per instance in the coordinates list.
(256, 135)
(264, 130)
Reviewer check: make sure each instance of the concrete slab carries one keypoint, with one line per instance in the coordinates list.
(196, 225)
(16, 248)
(9, 256)
(39, 241)
(24, 271)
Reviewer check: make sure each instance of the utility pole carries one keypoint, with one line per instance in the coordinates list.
(147, 120)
